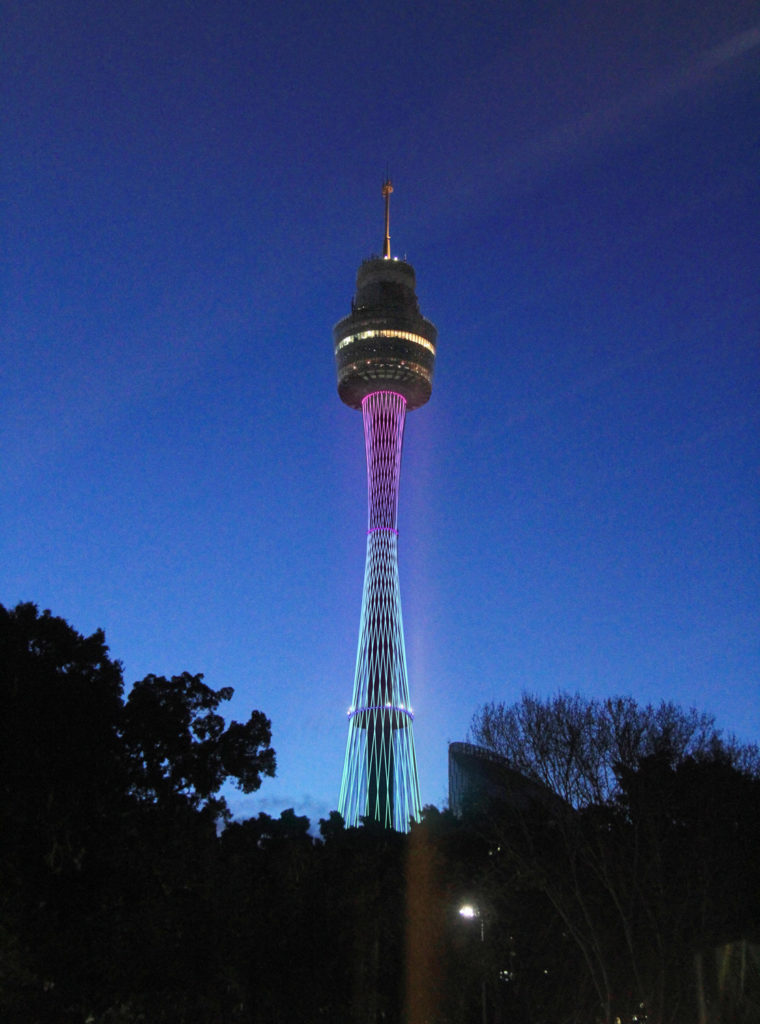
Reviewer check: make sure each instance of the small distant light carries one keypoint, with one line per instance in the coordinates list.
(468, 910)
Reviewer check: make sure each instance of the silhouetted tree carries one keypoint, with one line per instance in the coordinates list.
(635, 879)
(178, 747)
(108, 830)
(633, 891)
(574, 745)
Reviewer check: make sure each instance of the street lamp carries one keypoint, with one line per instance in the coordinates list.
(471, 912)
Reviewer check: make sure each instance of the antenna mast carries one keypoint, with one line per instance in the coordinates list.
(387, 189)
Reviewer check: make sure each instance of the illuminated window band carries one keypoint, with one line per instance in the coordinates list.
(404, 335)
(382, 529)
(382, 707)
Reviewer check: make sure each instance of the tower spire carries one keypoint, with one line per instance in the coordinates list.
(387, 189)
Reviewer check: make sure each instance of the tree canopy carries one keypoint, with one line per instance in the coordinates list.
(109, 811)
(126, 896)
(646, 881)
(576, 745)
(178, 746)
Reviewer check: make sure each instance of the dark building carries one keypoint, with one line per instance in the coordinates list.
(480, 779)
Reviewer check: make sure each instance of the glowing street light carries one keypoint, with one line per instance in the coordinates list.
(470, 912)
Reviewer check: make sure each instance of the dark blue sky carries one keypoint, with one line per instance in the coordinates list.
(190, 189)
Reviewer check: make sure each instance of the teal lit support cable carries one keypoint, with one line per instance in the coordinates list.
(380, 769)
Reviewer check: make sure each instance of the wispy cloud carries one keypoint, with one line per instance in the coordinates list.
(628, 114)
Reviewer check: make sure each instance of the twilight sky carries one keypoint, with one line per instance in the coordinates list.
(190, 189)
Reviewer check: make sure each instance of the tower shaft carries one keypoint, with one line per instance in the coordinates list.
(384, 360)
(380, 769)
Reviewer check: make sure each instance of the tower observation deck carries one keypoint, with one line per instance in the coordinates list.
(384, 359)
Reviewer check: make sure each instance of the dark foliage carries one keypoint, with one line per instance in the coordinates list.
(122, 900)
(178, 748)
(109, 815)
(642, 902)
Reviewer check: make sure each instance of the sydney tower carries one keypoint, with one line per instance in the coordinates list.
(384, 357)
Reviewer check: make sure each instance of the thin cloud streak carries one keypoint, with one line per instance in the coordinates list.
(624, 117)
